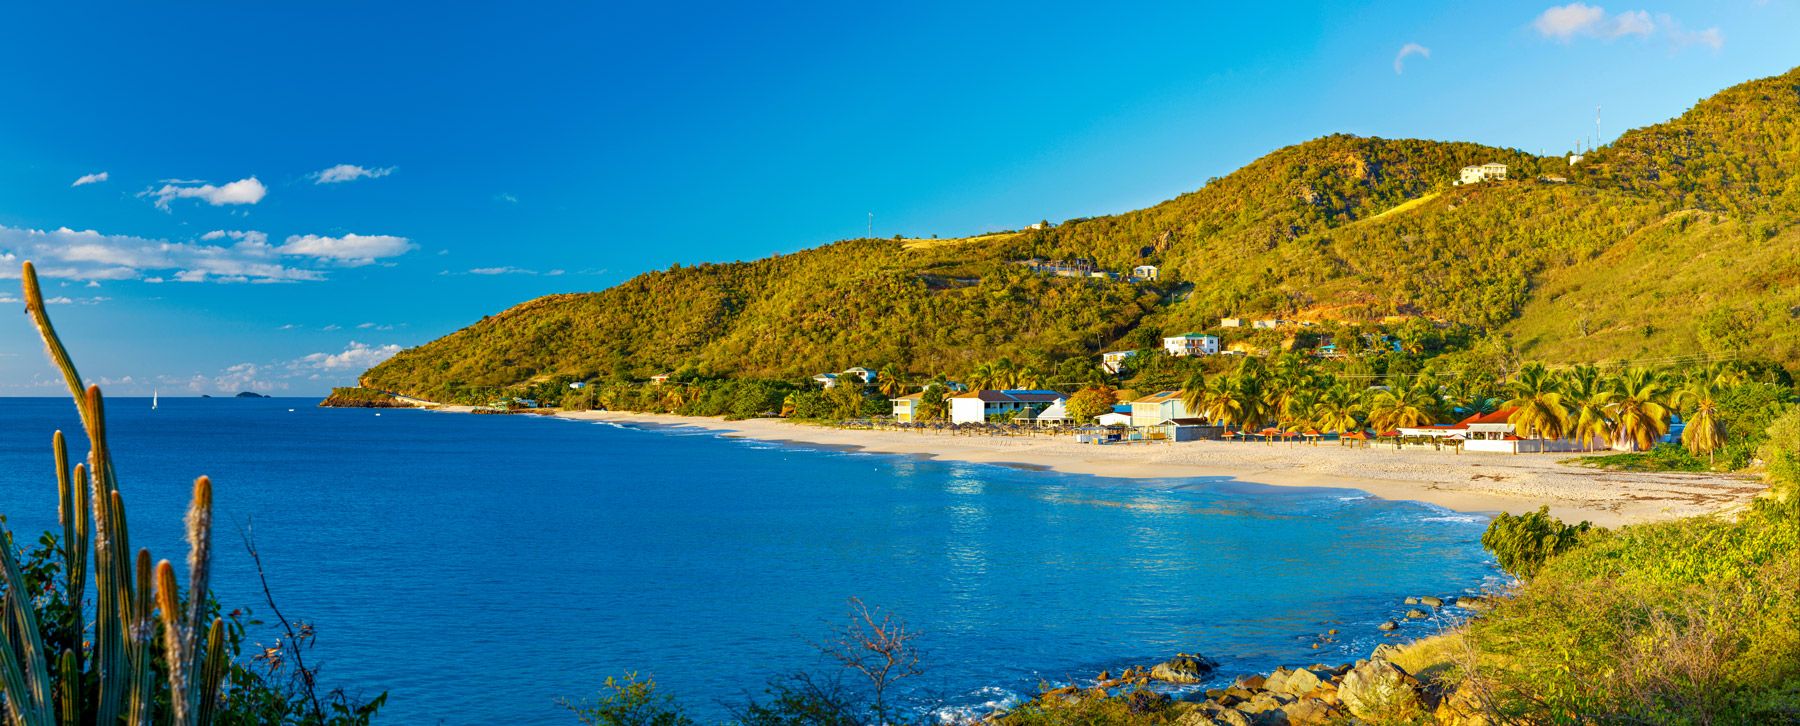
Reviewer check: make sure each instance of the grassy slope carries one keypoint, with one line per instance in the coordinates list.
(1669, 242)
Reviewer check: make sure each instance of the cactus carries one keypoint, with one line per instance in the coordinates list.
(132, 599)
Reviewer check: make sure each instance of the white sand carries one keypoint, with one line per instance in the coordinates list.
(1466, 482)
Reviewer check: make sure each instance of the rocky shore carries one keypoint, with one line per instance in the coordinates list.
(1396, 683)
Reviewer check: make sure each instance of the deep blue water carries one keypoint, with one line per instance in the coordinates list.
(479, 567)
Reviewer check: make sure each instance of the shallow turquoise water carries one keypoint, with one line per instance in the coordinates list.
(480, 567)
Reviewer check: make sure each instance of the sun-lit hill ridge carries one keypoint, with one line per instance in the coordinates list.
(1669, 239)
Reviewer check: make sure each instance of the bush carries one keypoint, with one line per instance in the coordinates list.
(1523, 543)
(630, 702)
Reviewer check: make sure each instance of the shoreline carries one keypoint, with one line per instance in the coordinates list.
(1472, 483)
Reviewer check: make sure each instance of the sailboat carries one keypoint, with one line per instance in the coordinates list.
(153, 399)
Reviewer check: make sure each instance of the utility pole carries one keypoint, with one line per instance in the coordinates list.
(1596, 126)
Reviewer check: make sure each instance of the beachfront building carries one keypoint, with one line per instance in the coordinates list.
(1191, 429)
(1053, 415)
(1147, 273)
(1484, 172)
(983, 406)
(1114, 361)
(1120, 416)
(906, 408)
(1489, 432)
(1188, 344)
(1158, 409)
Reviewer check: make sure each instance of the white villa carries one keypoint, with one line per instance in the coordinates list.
(906, 408)
(1269, 324)
(1231, 322)
(1114, 361)
(1188, 344)
(860, 373)
(978, 406)
(1144, 272)
(1479, 174)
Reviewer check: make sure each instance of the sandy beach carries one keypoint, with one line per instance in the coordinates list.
(1465, 482)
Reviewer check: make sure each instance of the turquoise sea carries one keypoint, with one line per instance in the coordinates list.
(477, 568)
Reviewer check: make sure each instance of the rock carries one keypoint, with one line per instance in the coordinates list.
(1412, 601)
(1461, 707)
(1315, 646)
(1277, 680)
(1253, 682)
(1474, 602)
(1232, 717)
(1183, 668)
(1416, 614)
(1389, 625)
(1309, 712)
(1381, 692)
(1332, 631)
(1436, 602)
(1299, 682)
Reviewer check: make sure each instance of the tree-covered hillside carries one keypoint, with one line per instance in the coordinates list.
(1672, 241)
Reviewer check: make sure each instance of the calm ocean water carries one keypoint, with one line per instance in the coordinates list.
(479, 567)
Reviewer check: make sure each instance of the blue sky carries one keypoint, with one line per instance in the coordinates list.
(292, 192)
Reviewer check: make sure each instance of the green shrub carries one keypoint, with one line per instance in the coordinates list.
(629, 702)
(1522, 543)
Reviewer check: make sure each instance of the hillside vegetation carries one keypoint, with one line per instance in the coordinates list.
(1670, 242)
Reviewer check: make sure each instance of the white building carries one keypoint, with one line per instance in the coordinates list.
(1188, 344)
(1576, 159)
(1270, 324)
(1114, 361)
(1479, 174)
(1144, 272)
(1491, 432)
(980, 406)
(1231, 322)
(858, 373)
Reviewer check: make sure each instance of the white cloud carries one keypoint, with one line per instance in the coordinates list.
(87, 255)
(506, 270)
(91, 179)
(504, 197)
(351, 250)
(242, 191)
(348, 172)
(1406, 50)
(1564, 23)
(356, 357)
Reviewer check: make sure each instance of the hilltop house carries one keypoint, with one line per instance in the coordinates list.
(1114, 361)
(906, 408)
(1231, 322)
(1147, 273)
(1269, 324)
(1479, 174)
(659, 379)
(978, 406)
(1188, 344)
(863, 375)
(1158, 408)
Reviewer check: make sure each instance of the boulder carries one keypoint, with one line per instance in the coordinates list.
(1310, 712)
(1411, 601)
(1276, 680)
(1380, 691)
(1183, 668)
(1389, 625)
(1436, 602)
(1474, 602)
(1253, 682)
(1299, 682)
(1417, 614)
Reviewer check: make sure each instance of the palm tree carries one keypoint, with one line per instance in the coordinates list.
(1704, 432)
(1336, 410)
(1638, 411)
(892, 382)
(1194, 395)
(1537, 405)
(1586, 395)
(1403, 407)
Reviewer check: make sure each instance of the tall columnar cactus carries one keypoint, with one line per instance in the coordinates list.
(139, 616)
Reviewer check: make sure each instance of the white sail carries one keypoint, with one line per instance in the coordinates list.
(153, 399)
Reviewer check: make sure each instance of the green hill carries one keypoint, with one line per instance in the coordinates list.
(1675, 240)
